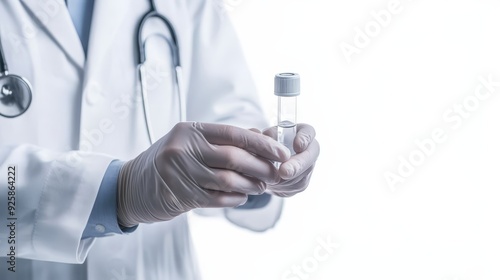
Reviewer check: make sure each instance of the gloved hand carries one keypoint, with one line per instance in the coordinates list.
(196, 165)
(296, 172)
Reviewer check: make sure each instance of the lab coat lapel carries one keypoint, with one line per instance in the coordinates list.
(107, 18)
(99, 82)
(53, 17)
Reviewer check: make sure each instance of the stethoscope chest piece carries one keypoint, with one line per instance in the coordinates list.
(15, 95)
(15, 91)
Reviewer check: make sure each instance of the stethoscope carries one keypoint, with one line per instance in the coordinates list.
(16, 93)
(174, 47)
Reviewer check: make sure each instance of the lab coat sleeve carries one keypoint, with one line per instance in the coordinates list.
(220, 86)
(256, 219)
(54, 195)
(221, 90)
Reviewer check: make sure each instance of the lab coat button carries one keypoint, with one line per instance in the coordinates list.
(100, 228)
(93, 93)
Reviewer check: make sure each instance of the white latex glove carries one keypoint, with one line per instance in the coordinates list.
(196, 165)
(296, 172)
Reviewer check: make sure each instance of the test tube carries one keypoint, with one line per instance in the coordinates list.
(287, 88)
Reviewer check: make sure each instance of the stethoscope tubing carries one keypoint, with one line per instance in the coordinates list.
(4, 69)
(141, 43)
(142, 73)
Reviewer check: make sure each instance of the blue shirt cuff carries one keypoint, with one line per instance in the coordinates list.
(103, 220)
(256, 201)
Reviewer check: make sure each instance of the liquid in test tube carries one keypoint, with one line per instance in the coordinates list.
(287, 88)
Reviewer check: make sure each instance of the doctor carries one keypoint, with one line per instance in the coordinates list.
(94, 198)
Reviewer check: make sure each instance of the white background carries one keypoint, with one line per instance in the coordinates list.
(443, 221)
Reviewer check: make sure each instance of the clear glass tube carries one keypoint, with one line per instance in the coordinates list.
(287, 120)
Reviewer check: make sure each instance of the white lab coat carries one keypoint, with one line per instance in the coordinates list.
(92, 104)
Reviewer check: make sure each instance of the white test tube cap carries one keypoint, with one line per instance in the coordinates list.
(287, 84)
